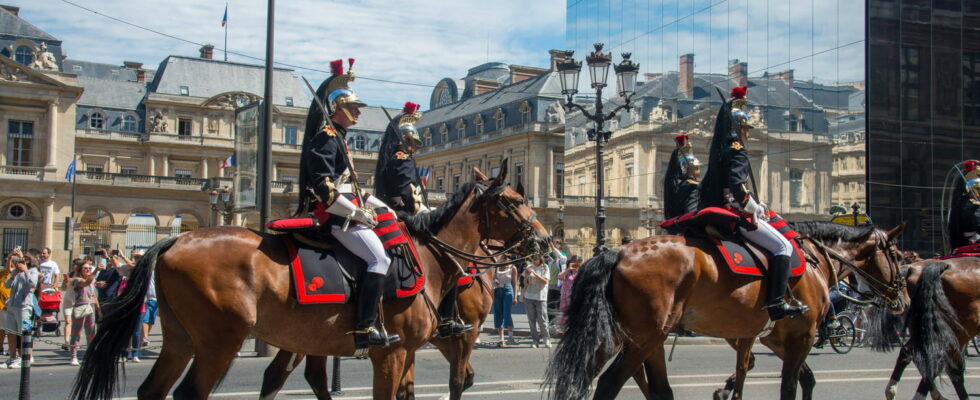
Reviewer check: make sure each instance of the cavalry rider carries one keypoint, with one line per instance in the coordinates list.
(397, 182)
(964, 210)
(333, 196)
(727, 184)
(682, 179)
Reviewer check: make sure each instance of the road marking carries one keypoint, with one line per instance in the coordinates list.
(909, 378)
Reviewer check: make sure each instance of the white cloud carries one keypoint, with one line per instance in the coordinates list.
(420, 42)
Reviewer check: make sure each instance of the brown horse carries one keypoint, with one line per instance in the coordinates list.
(944, 314)
(636, 294)
(474, 302)
(216, 286)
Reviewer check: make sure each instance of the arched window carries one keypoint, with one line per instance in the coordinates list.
(498, 118)
(24, 55)
(129, 123)
(427, 137)
(461, 127)
(478, 124)
(525, 112)
(96, 120)
(360, 143)
(444, 133)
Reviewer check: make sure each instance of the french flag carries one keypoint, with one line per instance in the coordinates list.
(224, 20)
(229, 162)
(424, 175)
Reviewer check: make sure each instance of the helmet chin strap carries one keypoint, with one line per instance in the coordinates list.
(347, 113)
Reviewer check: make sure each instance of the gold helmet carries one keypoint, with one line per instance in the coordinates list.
(739, 105)
(406, 124)
(340, 93)
(971, 172)
(687, 160)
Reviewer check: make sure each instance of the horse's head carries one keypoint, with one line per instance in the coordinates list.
(505, 216)
(883, 268)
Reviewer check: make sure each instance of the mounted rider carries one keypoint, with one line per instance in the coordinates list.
(331, 192)
(397, 182)
(727, 184)
(682, 179)
(964, 210)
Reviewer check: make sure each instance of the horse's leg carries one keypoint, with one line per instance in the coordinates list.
(794, 355)
(316, 375)
(656, 368)
(743, 351)
(957, 367)
(276, 373)
(389, 369)
(640, 377)
(406, 389)
(174, 356)
(213, 356)
(626, 363)
(807, 381)
(904, 359)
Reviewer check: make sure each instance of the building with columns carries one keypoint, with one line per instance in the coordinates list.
(148, 143)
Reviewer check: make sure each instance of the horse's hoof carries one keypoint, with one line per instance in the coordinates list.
(891, 391)
(444, 397)
(722, 394)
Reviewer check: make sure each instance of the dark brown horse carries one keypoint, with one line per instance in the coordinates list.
(636, 294)
(474, 302)
(943, 315)
(217, 286)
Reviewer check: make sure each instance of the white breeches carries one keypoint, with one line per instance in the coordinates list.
(364, 243)
(768, 238)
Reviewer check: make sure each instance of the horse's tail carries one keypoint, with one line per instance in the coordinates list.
(591, 329)
(99, 372)
(932, 323)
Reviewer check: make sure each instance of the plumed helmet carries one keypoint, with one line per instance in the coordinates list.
(340, 93)
(686, 158)
(406, 124)
(739, 104)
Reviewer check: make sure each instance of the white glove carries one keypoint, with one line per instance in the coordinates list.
(973, 238)
(753, 207)
(398, 201)
(365, 216)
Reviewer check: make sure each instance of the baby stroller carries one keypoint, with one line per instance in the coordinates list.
(49, 301)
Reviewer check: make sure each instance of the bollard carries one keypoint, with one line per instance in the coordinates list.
(26, 350)
(335, 385)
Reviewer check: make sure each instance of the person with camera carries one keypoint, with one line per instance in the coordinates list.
(107, 280)
(22, 281)
(85, 308)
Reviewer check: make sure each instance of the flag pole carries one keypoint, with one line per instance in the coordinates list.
(226, 32)
(71, 219)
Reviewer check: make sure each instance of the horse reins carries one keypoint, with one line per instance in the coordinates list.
(892, 289)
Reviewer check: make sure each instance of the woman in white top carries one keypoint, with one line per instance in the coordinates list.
(504, 297)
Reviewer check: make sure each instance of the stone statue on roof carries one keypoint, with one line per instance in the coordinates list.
(44, 60)
(158, 124)
(556, 113)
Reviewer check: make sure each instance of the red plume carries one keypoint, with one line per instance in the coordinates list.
(681, 140)
(738, 92)
(350, 63)
(337, 67)
(410, 108)
(969, 165)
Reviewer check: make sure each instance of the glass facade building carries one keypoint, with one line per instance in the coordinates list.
(924, 110)
(920, 60)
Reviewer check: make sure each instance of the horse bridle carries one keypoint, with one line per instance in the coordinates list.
(888, 292)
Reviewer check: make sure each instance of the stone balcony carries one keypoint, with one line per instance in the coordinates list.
(27, 173)
(139, 181)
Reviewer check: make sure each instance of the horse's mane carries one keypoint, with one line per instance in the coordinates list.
(829, 232)
(433, 221)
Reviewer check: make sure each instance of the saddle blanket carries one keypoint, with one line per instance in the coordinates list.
(328, 274)
(739, 258)
(972, 250)
(466, 280)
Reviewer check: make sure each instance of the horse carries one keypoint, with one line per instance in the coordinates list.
(474, 302)
(631, 297)
(216, 286)
(943, 316)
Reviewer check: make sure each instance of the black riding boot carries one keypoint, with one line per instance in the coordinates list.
(365, 334)
(447, 311)
(778, 281)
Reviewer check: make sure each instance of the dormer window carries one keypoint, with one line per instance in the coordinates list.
(461, 127)
(360, 143)
(478, 124)
(289, 101)
(444, 133)
(185, 91)
(525, 112)
(498, 119)
(129, 123)
(24, 55)
(427, 138)
(96, 120)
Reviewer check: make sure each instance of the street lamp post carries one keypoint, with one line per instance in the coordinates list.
(222, 204)
(568, 74)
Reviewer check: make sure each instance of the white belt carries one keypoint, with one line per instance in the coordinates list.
(345, 188)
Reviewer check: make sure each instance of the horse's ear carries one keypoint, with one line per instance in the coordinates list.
(894, 232)
(520, 189)
(502, 175)
(478, 175)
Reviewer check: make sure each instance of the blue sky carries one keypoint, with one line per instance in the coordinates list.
(420, 42)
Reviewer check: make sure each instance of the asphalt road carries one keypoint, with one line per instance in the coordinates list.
(515, 373)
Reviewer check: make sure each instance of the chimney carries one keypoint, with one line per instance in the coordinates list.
(685, 79)
(11, 9)
(138, 66)
(481, 86)
(207, 51)
(738, 72)
(786, 75)
(650, 76)
(558, 56)
(520, 72)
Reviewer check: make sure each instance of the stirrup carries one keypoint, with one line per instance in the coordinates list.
(453, 328)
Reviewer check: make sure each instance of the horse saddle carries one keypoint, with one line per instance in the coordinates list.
(324, 271)
(970, 250)
(717, 226)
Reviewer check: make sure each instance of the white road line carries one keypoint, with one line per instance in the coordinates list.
(909, 377)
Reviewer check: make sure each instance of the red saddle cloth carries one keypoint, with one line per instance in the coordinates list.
(971, 250)
(466, 280)
(736, 253)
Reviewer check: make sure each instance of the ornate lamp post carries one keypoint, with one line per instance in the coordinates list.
(222, 204)
(568, 74)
